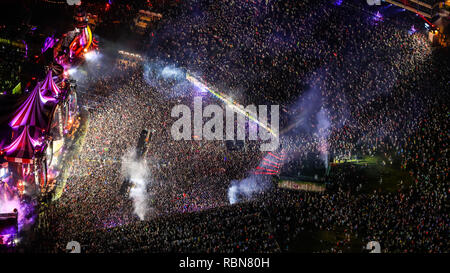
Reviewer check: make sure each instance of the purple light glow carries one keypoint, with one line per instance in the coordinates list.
(83, 38)
(378, 16)
(49, 42)
(26, 49)
(7, 205)
(412, 30)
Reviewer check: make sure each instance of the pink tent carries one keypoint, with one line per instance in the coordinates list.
(49, 85)
(31, 112)
(22, 148)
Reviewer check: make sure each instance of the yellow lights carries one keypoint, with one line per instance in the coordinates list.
(129, 54)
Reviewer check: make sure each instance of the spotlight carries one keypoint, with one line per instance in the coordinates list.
(72, 71)
(91, 56)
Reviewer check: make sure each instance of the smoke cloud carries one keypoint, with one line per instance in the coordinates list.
(168, 79)
(171, 72)
(310, 119)
(323, 131)
(25, 210)
(138, 173)
(247, 187)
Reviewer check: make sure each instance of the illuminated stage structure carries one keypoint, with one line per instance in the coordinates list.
(39, 122)
(427, 8)
(69, 51)
(33, 126)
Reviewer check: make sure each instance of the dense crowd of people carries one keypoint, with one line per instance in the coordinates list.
(381, 89)
(179, 179)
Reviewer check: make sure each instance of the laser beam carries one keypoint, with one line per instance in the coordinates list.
(228, 101)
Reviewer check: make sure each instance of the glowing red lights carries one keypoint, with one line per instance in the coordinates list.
(270, 164)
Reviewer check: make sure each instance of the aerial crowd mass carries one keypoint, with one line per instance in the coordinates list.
(383, 90)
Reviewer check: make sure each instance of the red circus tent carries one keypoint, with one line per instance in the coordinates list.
(49, 85)
(23, 148)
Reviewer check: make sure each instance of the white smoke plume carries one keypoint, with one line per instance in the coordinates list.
(247, 187)
(167, 78)
(171, 72)
(7, 205)
(323, 131)
(138, 173)
(25, 210)
(312, 120)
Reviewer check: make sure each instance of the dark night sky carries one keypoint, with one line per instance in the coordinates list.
(46, 16)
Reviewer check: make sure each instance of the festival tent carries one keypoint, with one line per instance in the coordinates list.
(49, 85)
(8, 106)
(32, 111)
(23, 148)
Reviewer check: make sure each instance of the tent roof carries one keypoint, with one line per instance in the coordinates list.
(24, 145)
(32, 111)
(49, 85)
